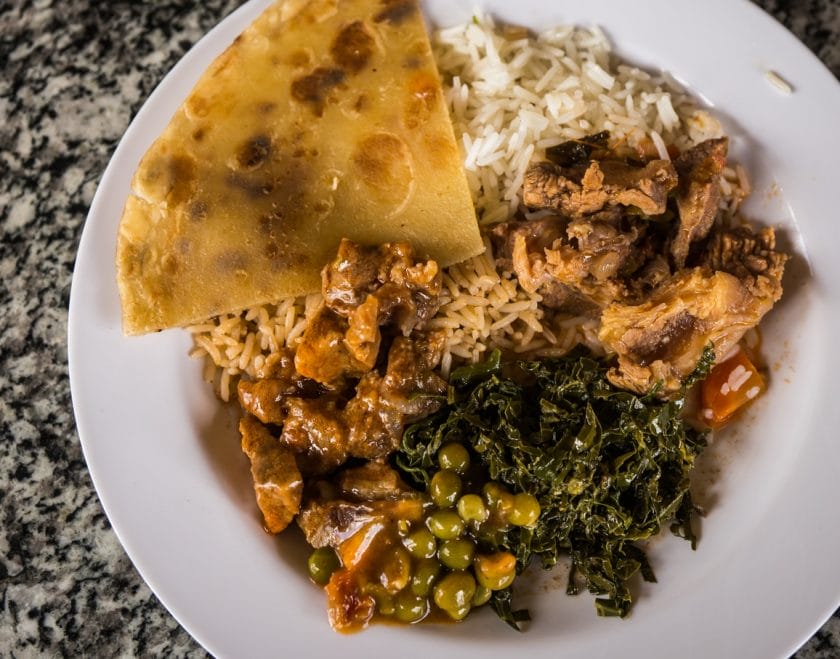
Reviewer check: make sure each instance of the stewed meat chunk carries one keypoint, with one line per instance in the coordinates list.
(372, 481)
(365, 288)
(577, 265)
(410, 380)
(373, 492)
(277, 480)
(276, 381)
(407, 289)
(323, 432)
(749, 255)
(698, 194)
(360, 523)
(351, 277)
(375, 426)
(662, 339)
(264, 398)
(323, 354)
(383, 405)
(581, 190)
(315, 430)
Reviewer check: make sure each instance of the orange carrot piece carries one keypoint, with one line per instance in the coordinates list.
(731, 385)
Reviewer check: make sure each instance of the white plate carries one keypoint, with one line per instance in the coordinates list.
(164, 455)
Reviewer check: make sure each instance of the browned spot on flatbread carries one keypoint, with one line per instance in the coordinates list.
(300, 59)
(383, 163)
(254, 152)
(416, 54)
(439, 148)
(169, 264)
(282, 201)
(181, 172)
(254, 186)
(271, 223)
(421, 101)
(197, 211)
(232, 260)
(396, 11)
(198, 106)
(198, 134)
(271, 250)
(352, 47)
(314, 89)
(280, 254)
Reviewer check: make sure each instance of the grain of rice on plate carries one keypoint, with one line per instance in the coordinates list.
(511, 95)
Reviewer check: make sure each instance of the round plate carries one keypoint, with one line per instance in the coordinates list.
(164, 455)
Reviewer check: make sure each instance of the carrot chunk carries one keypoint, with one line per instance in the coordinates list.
(731, 385)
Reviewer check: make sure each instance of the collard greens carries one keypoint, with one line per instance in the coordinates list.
(609, 467)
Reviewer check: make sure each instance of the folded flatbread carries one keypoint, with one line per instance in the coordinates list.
(325, 119)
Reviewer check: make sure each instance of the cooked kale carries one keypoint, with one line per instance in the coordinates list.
(608, 467)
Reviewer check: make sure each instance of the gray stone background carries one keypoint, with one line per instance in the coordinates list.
(73, 76)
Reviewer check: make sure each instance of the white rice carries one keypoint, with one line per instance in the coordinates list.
(509, 99)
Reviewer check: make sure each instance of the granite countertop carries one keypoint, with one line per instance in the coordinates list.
(74, 75)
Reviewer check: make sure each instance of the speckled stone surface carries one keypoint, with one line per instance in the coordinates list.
(73, 76)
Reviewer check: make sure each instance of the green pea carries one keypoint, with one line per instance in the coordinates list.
(525, 510)
(445, 488)
(498, 498)
(454, 457)
(322, 563)
(471, 508)
(409, 607)
(495, 571)
(421, 543)
(456, 554)
(482, 595)
(385, 604)
(454, 593)
(460, 613)
(445, 524)
(425, 574)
